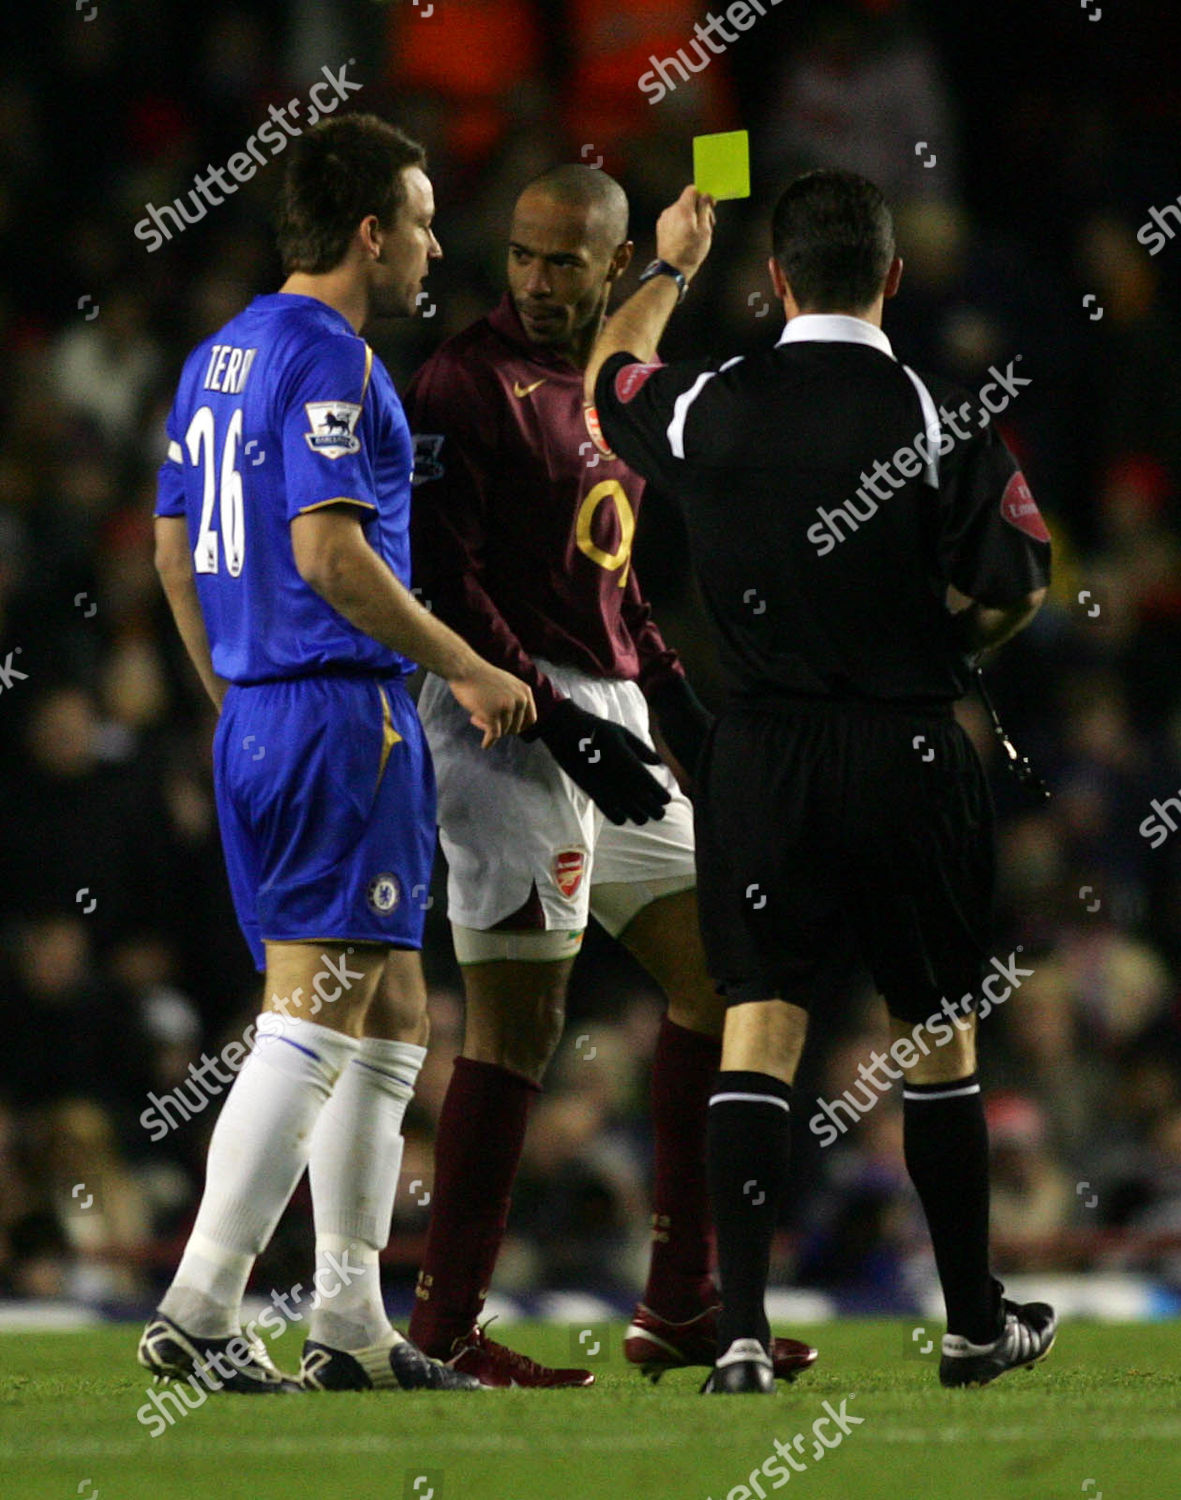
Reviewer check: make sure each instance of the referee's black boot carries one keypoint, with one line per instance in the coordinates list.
(744, 1370)
(1027, 1337)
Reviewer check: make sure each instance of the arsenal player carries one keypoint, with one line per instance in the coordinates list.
(522, 540)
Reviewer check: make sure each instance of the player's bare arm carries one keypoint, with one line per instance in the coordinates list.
(174, 564)
(334, 558)
(684, 233)
(982, 627)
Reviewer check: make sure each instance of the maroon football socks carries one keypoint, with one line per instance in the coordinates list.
(480, 1137)
(477, 1150)
(683, 1069)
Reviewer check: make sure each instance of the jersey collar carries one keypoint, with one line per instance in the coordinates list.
(836, 328)
(271, 300)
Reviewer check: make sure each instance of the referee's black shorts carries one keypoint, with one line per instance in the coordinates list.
(829, 827)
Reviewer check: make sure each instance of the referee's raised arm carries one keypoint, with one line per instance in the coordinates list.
(684, 233)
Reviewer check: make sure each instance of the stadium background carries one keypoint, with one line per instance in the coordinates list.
(1049, 138)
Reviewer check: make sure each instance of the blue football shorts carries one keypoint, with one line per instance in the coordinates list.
(326, 800)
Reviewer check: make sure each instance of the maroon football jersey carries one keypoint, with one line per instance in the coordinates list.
(522, 531)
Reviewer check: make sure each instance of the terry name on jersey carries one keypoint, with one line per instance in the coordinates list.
(228, 368)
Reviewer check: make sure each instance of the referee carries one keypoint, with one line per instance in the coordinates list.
(859, 533)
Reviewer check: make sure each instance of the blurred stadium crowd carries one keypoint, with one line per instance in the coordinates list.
(122, 964)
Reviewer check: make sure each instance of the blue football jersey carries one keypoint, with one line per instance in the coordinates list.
(283, 411)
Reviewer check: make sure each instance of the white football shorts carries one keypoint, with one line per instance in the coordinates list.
(511, 819)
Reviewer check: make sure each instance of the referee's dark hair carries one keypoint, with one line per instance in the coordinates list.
(340, 172)
(833, 236)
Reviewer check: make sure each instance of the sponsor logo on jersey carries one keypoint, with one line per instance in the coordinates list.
(630, 380)
(520, 391)
(332, 434)
(569, 868)
(383, 893)
(427, 463)
(591, 416)
(1019, 508)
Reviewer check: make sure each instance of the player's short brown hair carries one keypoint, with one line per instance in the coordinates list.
(340, 172)
(833, 236)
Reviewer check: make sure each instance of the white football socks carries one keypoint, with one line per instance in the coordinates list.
(258, 1150)
(356, 1157)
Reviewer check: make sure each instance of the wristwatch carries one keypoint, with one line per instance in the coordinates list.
(664, 268)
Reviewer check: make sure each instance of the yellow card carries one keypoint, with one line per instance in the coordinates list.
(721, 164)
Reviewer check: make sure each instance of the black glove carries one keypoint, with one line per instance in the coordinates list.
(683, 719)
(607, 761)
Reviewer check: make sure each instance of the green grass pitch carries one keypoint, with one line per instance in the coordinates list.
(1101, 1418)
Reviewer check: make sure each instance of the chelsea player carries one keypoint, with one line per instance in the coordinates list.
(281, 542)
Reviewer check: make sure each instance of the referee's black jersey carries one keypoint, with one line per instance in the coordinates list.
(831, 495)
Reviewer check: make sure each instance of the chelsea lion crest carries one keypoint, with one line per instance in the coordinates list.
(384, 893)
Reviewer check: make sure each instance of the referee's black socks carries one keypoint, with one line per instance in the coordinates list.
(747, 1149)
(946, 1144)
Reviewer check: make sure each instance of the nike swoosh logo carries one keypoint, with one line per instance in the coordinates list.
(525, 390)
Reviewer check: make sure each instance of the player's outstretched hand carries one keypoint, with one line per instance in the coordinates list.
(497, 702)
(684, 231)
(608, 762)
